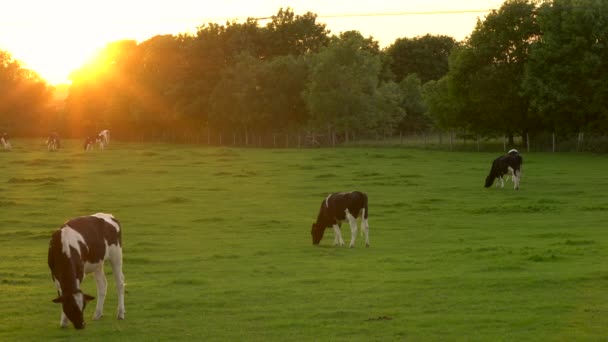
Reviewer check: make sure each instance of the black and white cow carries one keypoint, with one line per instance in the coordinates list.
(104, 137)
(89, 143)
(52, 142)
(80, 247)
(504, 165)
(6, 144)
(337, 207)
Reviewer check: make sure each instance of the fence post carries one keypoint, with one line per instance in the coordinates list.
(528, 142)
(553, 141)
(451, 138)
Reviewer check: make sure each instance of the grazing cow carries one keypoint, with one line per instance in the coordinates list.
(52, 142)
(104, 137)
(89, 142)
(80, 247)
(503, 165)
(6, 144)
(337, 207)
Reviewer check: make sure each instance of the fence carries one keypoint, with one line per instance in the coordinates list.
(437, 140)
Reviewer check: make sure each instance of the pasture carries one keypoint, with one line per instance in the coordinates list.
(217, 244)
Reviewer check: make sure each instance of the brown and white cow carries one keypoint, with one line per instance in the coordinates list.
(89, 143)
(80, 247)
(52, 142)
(6, 144)
(104, 137)
(337, 207)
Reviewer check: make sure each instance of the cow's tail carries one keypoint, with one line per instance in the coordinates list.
(493, 173)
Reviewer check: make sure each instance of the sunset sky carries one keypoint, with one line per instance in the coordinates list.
(55, 37)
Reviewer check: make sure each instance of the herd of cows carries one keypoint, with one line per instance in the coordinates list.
(53, 143)
(83, 244)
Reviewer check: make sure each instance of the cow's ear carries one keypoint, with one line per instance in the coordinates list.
(87, 298)
(58, 300)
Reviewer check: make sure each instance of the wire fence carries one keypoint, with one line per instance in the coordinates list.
(432, 140)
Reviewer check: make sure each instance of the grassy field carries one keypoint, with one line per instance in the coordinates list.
(217, 244)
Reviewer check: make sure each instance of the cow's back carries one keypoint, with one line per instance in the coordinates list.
(97, 234)
(353, 201)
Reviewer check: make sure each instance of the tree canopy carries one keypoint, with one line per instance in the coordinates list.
(527, 67)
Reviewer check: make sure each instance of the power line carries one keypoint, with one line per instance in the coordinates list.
(391, 14)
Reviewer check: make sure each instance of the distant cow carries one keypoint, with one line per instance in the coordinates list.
(89, 142)
(337, 207)
(52, 142)
(80, 247)
(104, 137)
(6, 144)
(504, 165)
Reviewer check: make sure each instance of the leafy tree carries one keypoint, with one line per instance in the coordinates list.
(281, 82)
(343, 89)
(425, 56)
(486, 73)
(235, 102)
(440, 107)
(291, 34)
(24, 98)
(567, 74)
(413, 104)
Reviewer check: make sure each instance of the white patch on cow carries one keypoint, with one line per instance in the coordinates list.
(352, 221)
(108, 218)
(57, 285)
(327, 201)
(70, 238)
(6, 144)
(90, 268)
(79, 298)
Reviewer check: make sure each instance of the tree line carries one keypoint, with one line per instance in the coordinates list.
(527, 68)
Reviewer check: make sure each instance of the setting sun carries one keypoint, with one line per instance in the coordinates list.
(54, 38)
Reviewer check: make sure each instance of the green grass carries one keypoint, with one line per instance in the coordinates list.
(217, 244)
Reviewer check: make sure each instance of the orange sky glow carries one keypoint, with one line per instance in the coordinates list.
(55, 37)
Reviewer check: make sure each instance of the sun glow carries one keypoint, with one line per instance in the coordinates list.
(56, 37)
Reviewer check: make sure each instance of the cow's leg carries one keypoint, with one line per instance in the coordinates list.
(365, 228)
(353, 228)
(119, 278)
(516, 176)
(502, 183)
(102, 286)
(63, 321)
(337, 235)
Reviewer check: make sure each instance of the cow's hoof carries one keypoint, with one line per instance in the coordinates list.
(367, 245)
(97, 316)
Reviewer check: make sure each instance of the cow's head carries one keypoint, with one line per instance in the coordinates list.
(317, 233)
(73, 307)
